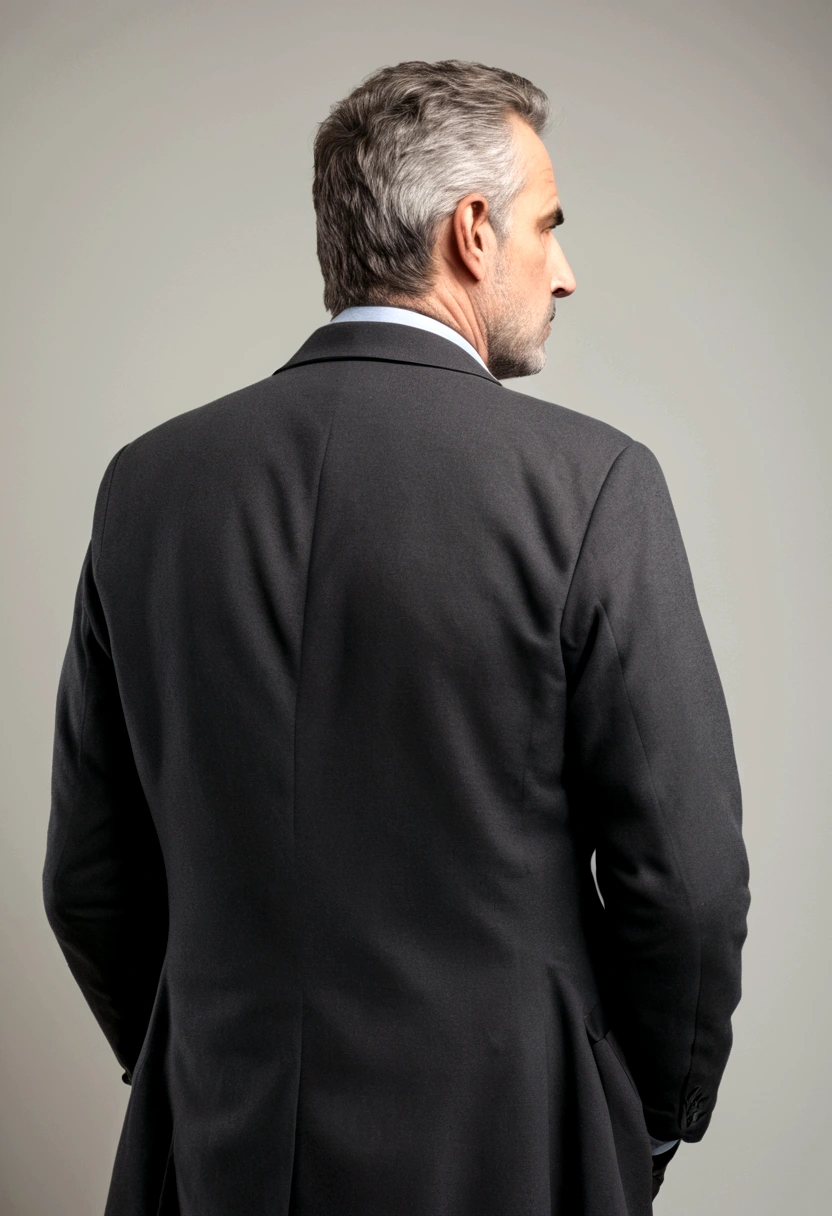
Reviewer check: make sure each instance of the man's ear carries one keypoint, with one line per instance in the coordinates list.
(473, 236)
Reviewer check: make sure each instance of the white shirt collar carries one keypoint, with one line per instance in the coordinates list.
(406, 316)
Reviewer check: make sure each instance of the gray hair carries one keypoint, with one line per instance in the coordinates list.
(396, 156)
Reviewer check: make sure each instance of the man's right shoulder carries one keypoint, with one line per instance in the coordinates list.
(568, 422)
(584, 445)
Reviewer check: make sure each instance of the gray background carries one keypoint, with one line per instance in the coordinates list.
(157, 248)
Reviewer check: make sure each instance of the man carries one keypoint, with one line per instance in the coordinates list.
(369, 659)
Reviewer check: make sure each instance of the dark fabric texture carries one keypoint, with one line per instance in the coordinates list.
(368, 659)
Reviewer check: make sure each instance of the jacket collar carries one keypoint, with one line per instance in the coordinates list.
(386, 342)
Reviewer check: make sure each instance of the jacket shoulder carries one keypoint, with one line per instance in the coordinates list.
(570, 421)
(202, 449)
(587, 443)
(231, 411)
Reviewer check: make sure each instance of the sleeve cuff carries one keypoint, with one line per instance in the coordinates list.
(660, 1146)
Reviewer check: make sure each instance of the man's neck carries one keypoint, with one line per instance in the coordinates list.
(452, 309)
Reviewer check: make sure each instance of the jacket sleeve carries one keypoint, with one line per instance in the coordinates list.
(653, 785)
(103, 878)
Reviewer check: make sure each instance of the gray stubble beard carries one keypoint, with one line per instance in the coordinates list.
(514, 348)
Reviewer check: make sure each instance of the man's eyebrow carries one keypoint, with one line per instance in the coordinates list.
(555, 217)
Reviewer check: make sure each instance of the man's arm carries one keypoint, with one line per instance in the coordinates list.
(104, 885)
(652, 778)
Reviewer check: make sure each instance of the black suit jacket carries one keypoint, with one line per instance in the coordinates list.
(368, 658)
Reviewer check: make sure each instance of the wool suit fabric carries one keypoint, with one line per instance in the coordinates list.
(368, 658)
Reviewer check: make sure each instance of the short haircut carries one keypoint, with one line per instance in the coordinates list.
(396, 156)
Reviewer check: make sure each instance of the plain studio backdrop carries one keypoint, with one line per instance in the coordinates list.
(158, 251)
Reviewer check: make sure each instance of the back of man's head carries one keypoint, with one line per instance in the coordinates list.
(394, 158)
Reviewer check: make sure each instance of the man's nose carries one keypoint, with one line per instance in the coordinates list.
(563, 280)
